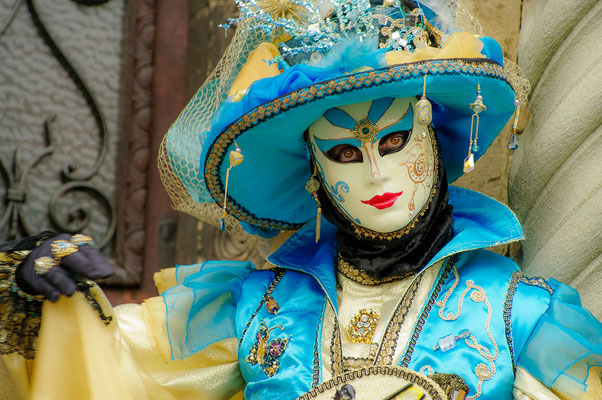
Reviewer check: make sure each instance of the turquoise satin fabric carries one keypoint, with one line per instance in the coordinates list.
(201, 309)
(491, 272)
(223, 299)
(565, 344)
(301, 303)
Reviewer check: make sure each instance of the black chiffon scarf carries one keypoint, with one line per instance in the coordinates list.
(384, 258)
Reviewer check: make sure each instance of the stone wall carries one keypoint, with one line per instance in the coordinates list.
(555, 181)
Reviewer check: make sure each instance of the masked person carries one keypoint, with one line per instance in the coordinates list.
(331, 132)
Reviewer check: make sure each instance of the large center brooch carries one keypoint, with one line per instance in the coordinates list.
(362, 326)
(266, 353)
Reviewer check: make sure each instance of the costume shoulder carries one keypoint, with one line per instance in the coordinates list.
(555, 339)
(201, 307)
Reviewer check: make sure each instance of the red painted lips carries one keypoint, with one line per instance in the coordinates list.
(383, 201)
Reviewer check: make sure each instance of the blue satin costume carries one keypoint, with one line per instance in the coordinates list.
(537, 325)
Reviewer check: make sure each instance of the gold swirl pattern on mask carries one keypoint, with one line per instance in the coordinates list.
(419, 170)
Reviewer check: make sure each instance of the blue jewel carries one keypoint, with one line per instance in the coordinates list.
(513, 143)
(475, 148)
(449, 342)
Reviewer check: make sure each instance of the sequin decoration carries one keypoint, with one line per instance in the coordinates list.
(362, 326)
(266, 353)
(271, 305)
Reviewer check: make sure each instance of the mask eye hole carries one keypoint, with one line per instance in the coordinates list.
(345, 153)
(393, 142)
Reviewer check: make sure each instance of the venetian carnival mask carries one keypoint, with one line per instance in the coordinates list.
(376, 161)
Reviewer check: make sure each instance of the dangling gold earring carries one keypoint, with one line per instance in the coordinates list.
(312, 186)
(424, 108)
(235, 158)
(476, 107)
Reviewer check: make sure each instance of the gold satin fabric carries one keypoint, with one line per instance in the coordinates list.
(528, 387)
(457, 45)
(79, 357)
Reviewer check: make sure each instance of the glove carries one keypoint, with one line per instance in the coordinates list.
(86, 262)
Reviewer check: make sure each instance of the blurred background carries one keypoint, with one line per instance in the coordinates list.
(89, 87)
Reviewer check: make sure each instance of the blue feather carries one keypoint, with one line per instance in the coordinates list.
(351, 54)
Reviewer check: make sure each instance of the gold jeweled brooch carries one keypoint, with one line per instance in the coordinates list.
(271, 305)
(266, 353)
(362, 326)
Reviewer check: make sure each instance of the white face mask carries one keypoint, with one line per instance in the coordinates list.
(377, 163)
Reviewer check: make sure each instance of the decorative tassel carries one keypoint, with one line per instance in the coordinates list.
(476, 107)
(312, 186)
(513, 143)
(424, 108)
(235, 158)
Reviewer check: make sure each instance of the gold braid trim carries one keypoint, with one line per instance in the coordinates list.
(361, 277)
(450, 383)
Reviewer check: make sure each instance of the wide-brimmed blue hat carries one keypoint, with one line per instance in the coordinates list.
(287, 67)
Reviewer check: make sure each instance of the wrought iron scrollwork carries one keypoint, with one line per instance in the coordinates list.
(77, 218)
(70, 171)
(14, 180)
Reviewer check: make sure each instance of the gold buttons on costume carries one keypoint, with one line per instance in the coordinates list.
(362, 326)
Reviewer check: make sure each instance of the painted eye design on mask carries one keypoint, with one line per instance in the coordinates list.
(345, 153)
(393, 142)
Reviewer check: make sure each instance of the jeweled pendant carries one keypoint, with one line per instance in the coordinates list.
(478, 105)
(513, 142)
(475, 148)
(449, 342)
(424, 111)
(265, 352)
(236, 157)
(469, 163)
(271, 305)
(362, 326)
